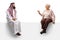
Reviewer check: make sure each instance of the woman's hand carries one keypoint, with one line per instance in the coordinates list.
(53, 22)
(39, 12)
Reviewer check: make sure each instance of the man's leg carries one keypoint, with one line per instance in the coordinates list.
(17, 28)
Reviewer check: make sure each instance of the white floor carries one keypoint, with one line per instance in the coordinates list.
(31, 31)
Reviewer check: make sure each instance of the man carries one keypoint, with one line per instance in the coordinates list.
(11, 18)
(47, 17)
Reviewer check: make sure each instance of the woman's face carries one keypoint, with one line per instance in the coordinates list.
(47, 7)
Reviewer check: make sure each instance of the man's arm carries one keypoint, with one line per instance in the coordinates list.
(14, 15)
(8, 15)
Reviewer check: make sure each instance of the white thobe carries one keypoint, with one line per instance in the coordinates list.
(15, 24)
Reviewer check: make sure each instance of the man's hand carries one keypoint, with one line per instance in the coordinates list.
(14, 19)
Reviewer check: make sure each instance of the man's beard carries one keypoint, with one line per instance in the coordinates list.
(14, 7)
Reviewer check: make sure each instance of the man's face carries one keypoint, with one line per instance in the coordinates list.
(13, 6)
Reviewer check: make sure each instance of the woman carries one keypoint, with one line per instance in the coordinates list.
(47, 17)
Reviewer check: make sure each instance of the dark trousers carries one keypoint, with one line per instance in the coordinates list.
(45, 22)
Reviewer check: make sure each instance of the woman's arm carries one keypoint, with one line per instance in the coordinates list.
(53, 17)
(39, 13)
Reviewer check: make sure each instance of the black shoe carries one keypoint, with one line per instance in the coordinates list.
(42, 32)
(18, 34)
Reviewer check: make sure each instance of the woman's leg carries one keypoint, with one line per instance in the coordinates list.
(46, 24)
(42, 23)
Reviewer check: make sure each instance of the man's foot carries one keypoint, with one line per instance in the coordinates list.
(18, 34)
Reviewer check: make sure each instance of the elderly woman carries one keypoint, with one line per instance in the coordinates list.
(47, 17)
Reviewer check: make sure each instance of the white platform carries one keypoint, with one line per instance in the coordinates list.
(31, 31)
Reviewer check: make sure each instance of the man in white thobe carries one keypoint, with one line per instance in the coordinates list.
(12, 20)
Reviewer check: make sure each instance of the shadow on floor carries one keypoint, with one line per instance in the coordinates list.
(10, 29)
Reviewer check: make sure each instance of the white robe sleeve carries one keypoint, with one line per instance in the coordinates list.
(9, 16)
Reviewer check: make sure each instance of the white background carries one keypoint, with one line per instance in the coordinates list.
(27, 9)
(30, 19)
